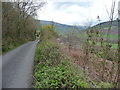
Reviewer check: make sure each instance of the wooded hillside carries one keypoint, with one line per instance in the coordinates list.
(18, 23)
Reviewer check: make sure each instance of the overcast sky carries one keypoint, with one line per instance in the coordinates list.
(76, 12)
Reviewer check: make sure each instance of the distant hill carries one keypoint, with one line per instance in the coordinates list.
(105, 26)
(114, 30)
(63, 28)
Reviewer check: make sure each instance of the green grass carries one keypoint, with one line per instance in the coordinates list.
(8, 47)
(111, 36)
(114, 45)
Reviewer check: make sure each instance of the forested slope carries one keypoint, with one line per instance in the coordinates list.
(18, 23)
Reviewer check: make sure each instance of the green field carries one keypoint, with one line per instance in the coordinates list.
(114, 45)
(111, 36)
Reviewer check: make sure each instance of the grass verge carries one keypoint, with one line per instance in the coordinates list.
(8, 47)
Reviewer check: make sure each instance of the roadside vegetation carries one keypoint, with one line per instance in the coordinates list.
(52, 68)
(55, 69)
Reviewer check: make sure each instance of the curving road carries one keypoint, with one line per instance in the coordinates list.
(17, 66)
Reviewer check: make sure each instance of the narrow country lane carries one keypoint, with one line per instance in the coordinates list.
(17, 66)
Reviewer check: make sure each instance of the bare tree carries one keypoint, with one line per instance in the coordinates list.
(26, 9)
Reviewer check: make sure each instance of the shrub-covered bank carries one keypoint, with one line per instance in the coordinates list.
(53, 69)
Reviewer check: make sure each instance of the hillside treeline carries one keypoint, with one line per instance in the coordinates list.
(18, 23)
